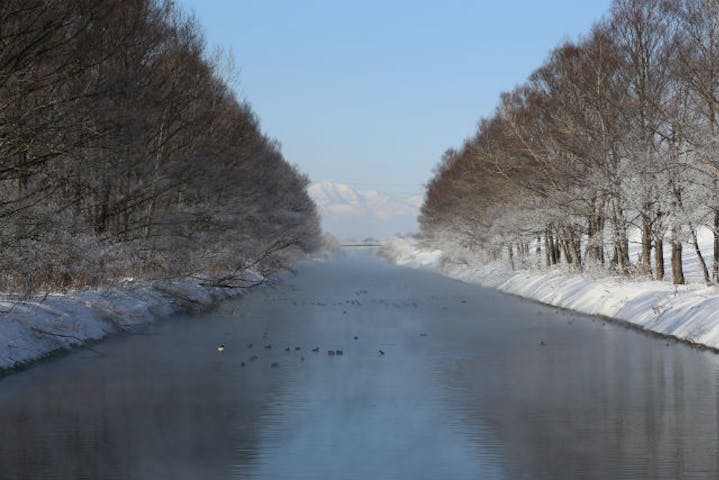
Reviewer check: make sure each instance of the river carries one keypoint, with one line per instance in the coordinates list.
(437, 379)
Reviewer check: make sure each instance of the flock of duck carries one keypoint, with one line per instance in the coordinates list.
(315, 349)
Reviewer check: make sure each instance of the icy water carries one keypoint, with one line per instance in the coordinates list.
(472, 384)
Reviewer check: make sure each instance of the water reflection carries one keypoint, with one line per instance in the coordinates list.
(596, 401)
(473, 384)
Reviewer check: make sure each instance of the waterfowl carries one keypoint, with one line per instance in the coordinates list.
(380, 351)
(274, 365)
(253, 358)
(268, 346)
(287, 349)
(541, 342)
(221, 348)
(339, 352)
(302, 359)
(297, 349)
(356, 337)
(422, 334)
(242, 364)
(330, 352)
(249, 345)
(316, 349)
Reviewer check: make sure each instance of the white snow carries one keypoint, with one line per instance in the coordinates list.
(687, 312)
(349, 213)
(30, 330)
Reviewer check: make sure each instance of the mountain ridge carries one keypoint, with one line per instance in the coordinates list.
(351, 213)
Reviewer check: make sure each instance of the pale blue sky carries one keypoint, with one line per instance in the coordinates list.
(372, 92)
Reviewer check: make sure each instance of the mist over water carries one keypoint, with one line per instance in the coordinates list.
(465, 389)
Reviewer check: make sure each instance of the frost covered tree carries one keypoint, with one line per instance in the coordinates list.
(697, 69)
(614, 135)
(124, 152)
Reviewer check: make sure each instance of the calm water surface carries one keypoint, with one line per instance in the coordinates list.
(464, 390)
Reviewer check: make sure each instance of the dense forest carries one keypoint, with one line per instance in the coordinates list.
(614, 139)
(124, 152)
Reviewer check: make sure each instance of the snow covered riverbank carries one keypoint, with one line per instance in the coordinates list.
(687, 312)
(31, 330)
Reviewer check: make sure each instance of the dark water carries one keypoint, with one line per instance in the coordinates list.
(478, 396)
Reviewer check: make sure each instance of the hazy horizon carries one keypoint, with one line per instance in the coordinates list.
(349, 213)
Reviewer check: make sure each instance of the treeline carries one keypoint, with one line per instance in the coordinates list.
(615, 135)
(124, 152)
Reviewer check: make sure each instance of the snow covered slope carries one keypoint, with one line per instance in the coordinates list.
(30, 330)
(687, 312)
(352, 214)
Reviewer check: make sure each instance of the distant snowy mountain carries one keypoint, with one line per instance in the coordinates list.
(352, 214)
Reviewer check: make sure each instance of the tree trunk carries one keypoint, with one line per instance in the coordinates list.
(591, 251)
(621, 243)
(645, 265)
(625, 252)
(577, 244)
(548, 250)
(511, 254)
(538, 250)
(659, 257)
(600, 240)
(715, 265)
(700, 257)
(595, 244)
(566, 251)
(547, 256)
(557, 251)
(677, 270)
(614, 262)
(575, 249)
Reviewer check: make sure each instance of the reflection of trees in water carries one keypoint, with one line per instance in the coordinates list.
(598, 405)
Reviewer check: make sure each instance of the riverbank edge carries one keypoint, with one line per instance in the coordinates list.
(686, 313)
(35, 330)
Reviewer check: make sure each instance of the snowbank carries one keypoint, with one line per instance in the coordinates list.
(686, 312)
(30, 330)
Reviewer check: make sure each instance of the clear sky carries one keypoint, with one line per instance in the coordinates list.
(371, 92)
